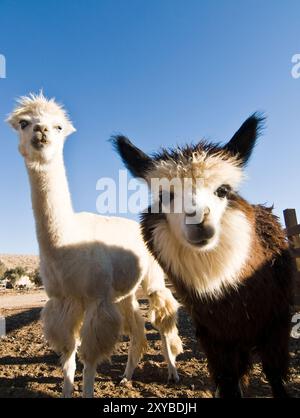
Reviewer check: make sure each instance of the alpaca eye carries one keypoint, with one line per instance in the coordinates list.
(24, 123)
(58, 127)
(223, 191)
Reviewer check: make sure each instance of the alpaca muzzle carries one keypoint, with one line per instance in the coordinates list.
(39, 140)
(199, 234)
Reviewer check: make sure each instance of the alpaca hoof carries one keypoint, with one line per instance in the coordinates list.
(67, 391)
(173, 378)
(88, 395)
(237, 394)
(66, 395)
(124, 381)
(217, 393)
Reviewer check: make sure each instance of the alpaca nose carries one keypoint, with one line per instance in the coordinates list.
(40, 137)
(206, 212)
(40, 128)
(199, 234)
(197, 228)
(192, 218)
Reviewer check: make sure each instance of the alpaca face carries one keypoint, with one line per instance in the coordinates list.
(42, 126)
(41, 137)
(194, 194)
(197, 216)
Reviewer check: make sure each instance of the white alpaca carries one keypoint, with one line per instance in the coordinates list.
(91, 265)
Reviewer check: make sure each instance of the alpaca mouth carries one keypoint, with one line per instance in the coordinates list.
(39, 143)
(201, 243)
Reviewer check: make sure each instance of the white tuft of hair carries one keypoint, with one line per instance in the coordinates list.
(37, 104)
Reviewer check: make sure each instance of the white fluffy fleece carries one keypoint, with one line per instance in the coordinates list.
(212, 169)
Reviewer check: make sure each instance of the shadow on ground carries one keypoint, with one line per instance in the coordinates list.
(29, 369)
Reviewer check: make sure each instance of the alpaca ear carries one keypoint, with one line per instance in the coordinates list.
(12, 121)
(69, 129)
(243, 141)
(137, 162)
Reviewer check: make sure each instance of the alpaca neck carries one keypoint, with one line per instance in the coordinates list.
(51, 203)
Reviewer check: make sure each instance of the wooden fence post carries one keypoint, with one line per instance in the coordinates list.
(290, 218)
(2, 327)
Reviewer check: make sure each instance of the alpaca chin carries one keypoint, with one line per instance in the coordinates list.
(211, 245)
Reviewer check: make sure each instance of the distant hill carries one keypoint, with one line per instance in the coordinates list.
(29, 262)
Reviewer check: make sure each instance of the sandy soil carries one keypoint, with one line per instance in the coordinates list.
(12, 299)
(28, 368)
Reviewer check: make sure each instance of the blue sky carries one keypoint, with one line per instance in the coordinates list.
(162, 72)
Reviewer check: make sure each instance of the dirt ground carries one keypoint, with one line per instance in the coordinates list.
(28, 368)
(14, 299)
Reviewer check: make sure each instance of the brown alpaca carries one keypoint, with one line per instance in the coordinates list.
(228, 259)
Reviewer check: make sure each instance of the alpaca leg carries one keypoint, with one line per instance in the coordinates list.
(275, 360)
(134, 325)
(227, 365)
(170, 357)
(61, 322)
(99, 335)
(230, 385)
(69, 367)
(226, 379)
(89, 374)
(163, 311)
